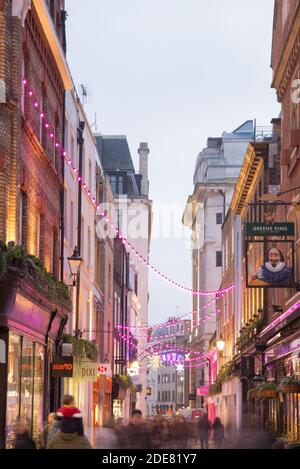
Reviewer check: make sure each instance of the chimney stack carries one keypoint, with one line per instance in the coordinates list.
(143, 153)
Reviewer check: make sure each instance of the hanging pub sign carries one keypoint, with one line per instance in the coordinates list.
(62, 367)
(148, 391)
(270, 264)
(270, 229)
(270, 259)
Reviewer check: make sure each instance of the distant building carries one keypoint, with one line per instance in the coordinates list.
(133, 217)
(168, 382)
(216, 172)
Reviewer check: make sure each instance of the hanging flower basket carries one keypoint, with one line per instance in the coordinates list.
(290, 385)
(290, 388)
(267, 394)
(267, 390)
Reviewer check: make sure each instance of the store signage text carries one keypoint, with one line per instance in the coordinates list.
(62, 367)
(270, 229)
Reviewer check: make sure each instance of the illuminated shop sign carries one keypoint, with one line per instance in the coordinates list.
(62, 367)
(270, 229)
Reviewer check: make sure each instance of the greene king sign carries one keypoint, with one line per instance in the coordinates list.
(270, 229)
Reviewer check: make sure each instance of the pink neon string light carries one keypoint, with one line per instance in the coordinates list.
(124, 240)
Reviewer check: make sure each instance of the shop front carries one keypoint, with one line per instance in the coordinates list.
(280, 412)
(30, 329)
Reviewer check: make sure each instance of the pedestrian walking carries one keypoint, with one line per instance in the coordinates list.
(72, 414)
(49, 430)
(23, 439)
(68, 438)
(204, 427)
(137, 433)
(218, 432)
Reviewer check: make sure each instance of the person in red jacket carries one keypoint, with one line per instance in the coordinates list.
(71, 414)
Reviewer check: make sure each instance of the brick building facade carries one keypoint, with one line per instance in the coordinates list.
(33, 78)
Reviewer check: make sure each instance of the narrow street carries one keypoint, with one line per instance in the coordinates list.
(149, 225)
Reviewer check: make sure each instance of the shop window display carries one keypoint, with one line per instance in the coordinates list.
(13, 391)
(27, 365)
(38, 391)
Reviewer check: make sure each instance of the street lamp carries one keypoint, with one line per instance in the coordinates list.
(75, 262)
(220, 344)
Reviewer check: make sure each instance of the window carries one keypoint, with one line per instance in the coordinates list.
(108, 338)
(21, 219)
(54, 252)
(219, 259)
(117, 183)
(23, 86)
(158, 397)
(158, 379)
(72, 150)
(136, 284)
(82, 238)
(219, 218)
(98, 264)
(109, 282)
(66, 225)
(89, 248)
(38, 235)
(72, 225)
(173, 378)
(90, 175)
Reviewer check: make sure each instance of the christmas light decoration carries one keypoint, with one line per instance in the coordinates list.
(92, 199)
(155, 362)
(179, 367)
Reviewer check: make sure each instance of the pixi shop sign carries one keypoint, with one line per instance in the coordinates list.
(89, 372)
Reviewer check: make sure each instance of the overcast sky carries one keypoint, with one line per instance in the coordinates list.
(172, 73)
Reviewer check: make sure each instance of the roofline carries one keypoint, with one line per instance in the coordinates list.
(53, 41)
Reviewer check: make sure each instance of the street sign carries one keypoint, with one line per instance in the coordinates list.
(203, 391)
(192, 397)
(120, 361)
(270, 229)
(62, 367)
(86, 372)
(104, 369)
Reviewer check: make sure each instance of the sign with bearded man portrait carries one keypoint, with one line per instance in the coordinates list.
(270, 266)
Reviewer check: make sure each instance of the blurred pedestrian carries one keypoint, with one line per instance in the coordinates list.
(218, 432)
(204, 427)
(68, 438)
(49, 430)
(71, 413)
(23, 439)
(137, 433)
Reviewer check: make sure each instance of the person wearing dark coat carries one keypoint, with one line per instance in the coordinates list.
(137, 433)
(219, 433)
(22, 438)
(204, 427)
(67, 437)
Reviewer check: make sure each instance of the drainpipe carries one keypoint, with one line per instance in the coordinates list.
(223, 194)
(80, 140)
